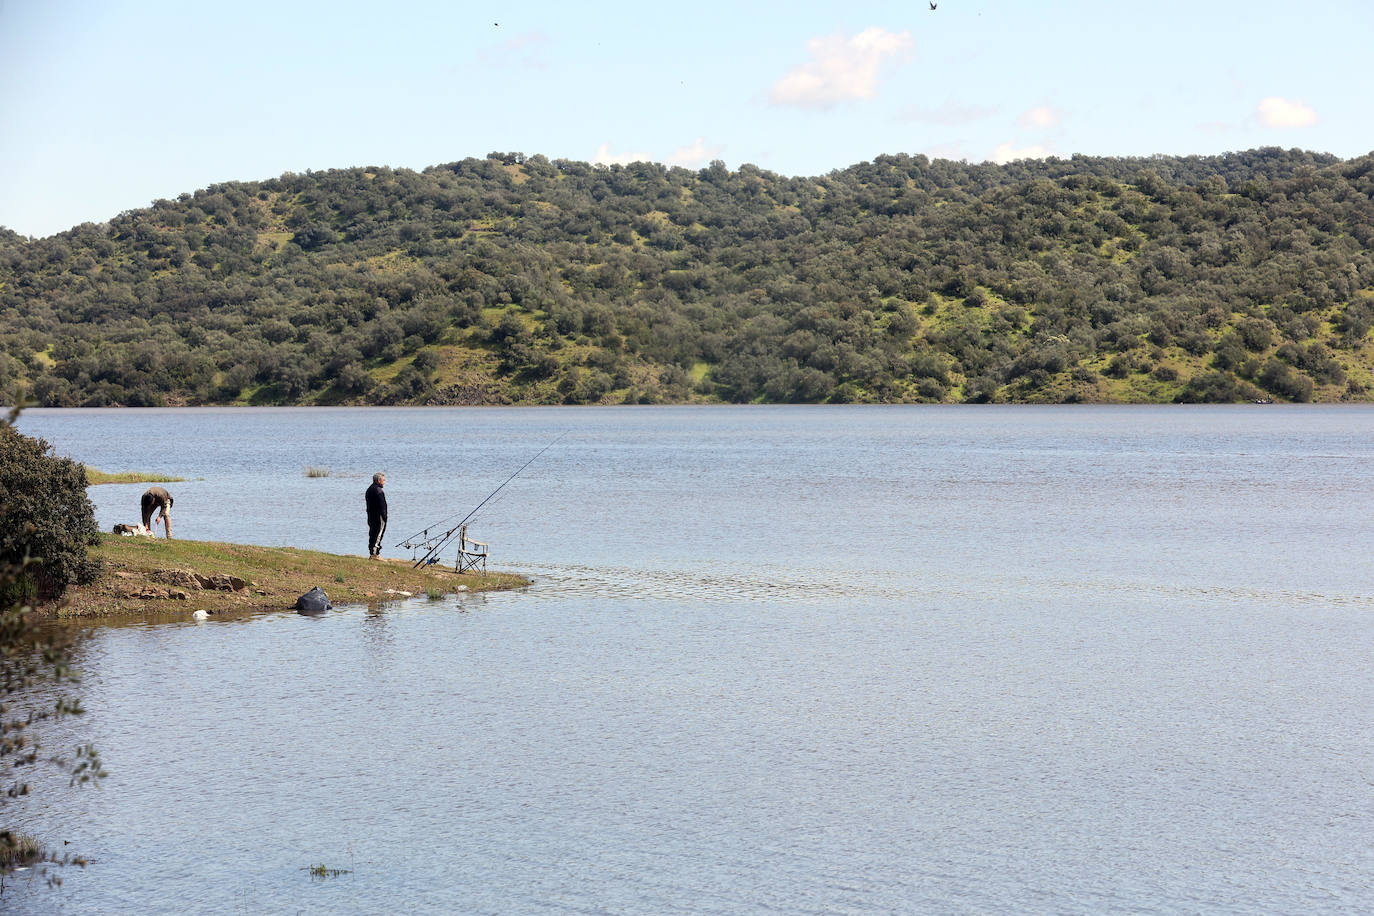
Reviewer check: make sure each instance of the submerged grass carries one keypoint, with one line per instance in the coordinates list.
(142, 575)
(19, 850)
(95, 477)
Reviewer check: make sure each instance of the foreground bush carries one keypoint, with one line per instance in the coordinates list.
(44, 516)
(43, 508)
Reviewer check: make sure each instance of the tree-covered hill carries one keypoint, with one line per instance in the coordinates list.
(520, 280)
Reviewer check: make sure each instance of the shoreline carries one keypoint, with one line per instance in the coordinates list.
(149, 577)
(715, 406)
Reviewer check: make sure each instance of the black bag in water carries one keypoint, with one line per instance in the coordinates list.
(314, 601)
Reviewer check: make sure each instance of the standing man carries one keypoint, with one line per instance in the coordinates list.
(157, 500)
(376, 515)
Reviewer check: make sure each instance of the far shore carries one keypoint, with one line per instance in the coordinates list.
(161, 577)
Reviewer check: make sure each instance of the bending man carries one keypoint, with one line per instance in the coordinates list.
(376, 515)
(157, 500)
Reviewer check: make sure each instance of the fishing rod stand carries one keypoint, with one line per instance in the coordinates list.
(472, 555)
(424, 550)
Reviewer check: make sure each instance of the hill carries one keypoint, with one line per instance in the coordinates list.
(515, 280)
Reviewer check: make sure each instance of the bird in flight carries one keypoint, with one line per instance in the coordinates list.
(933, 5)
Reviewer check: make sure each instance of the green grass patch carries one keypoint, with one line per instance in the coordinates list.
(95, 477)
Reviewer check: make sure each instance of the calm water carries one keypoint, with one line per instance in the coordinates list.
(788, 660)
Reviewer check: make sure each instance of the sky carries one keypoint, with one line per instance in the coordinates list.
(108, 106)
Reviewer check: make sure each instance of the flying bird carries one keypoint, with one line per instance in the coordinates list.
(933, 5)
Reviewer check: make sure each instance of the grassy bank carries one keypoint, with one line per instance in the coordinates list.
(157, 576)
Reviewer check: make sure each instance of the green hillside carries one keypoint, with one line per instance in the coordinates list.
(514, 280)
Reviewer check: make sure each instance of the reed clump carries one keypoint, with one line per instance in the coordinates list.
(19, 850)
(315, 471)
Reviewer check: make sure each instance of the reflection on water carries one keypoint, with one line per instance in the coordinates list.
(377, 636)
(794, 660)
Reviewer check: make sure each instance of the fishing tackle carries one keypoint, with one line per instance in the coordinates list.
(432, 544)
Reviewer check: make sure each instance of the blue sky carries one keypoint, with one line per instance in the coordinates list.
(108, 106)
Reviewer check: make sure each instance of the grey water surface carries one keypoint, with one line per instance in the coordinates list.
(774, 660)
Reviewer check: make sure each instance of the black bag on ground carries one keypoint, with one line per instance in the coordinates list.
(314, 601)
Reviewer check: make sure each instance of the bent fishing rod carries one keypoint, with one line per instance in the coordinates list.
(436, 543)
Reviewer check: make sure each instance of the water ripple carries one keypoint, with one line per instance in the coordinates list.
(575, 581)
(559, 581)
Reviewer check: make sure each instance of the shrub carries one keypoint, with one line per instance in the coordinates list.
(1230, 352)
(980, 390)
(930, 389)
(1283, 381)
(45, 515)
(1121, 365)
(1255, 334)
(426, 361)
(1213, 388)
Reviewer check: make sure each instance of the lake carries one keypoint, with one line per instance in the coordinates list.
(774, 659)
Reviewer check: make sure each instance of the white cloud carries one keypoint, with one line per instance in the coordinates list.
(696, 155)
(953, 151)
(1042, 117)
(840, 69)
(1005, 153)
(604, 156)
(947, 115)
(1277, 112)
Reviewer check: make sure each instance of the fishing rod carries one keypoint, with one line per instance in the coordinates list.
(434, 544)
(410, 541)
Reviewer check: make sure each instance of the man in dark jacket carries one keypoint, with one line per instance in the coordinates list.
(376, 515)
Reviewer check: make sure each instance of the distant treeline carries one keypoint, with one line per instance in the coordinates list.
(522, 280)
